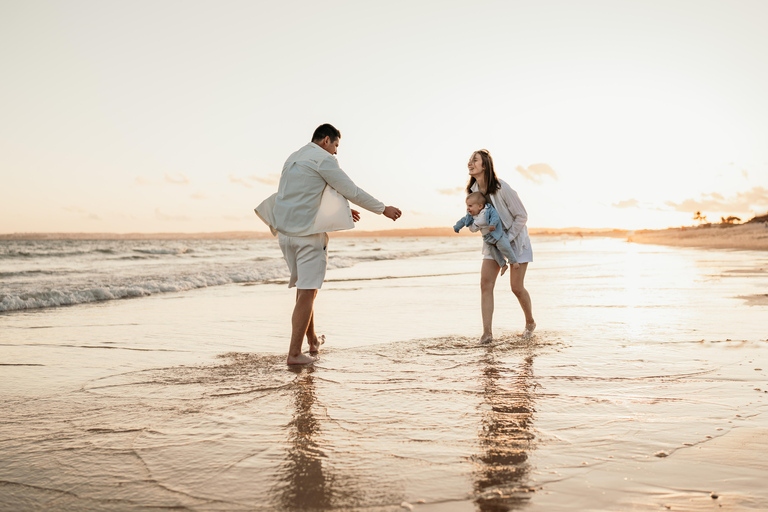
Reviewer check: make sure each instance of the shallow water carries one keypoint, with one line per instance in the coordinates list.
(645, 359)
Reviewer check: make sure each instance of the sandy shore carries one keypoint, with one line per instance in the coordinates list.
(634, 394)
(746, 236)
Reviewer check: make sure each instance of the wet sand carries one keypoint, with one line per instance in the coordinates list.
(645, 388)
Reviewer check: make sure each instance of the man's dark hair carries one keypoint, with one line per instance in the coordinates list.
(326, 130)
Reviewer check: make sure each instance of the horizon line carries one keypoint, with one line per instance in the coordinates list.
(404, 232)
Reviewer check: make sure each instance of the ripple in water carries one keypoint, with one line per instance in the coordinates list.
(370, 427)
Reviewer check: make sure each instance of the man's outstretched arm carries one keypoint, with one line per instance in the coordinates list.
(333, 175)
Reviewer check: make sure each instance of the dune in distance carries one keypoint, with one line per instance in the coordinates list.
(750, 236)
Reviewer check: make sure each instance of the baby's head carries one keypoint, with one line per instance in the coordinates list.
(475, 203)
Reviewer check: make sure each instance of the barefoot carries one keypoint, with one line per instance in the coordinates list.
(503, 269)
(314, 346)
(486, 338)
(529, 328)
(300, 359)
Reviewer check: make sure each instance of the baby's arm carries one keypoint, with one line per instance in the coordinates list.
(465, 221)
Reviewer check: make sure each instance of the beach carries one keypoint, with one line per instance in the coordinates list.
(152, 375)
(753, 236)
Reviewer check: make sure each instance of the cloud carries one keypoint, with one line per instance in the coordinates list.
(537, 172)
(628, 203)
(175, 218)
(270, 179)
(83, 213)
(451, 191)
(239, 181)
(755, 199)
(179, 179)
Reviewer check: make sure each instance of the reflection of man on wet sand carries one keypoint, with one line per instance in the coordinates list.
(305, 485)
(305, 175)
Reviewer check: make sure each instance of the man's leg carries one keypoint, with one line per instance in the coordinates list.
(313, 340)
(300, 321)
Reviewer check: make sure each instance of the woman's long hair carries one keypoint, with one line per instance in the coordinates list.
(491, 181)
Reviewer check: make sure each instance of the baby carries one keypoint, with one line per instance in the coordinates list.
(483, 217)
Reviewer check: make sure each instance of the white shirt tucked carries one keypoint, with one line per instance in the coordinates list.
(305, 175)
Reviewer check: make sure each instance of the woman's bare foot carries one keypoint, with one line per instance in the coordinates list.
(314, 346)
(486, 338)
(504, 269)
(300, 359)
(529, 328)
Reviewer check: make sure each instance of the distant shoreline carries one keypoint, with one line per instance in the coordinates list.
(258, 235)
(750, 236)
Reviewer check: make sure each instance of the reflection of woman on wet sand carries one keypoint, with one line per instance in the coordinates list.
(482, 178)
(506, 437)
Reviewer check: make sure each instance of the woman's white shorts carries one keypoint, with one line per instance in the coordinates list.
(307, 258)
(524, 254)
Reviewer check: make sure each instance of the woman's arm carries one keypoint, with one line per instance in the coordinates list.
(516, 209)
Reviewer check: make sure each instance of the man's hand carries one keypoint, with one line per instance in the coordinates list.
(491, 228)
(392, 213)
(355, 215)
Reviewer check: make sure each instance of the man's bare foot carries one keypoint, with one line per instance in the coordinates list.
(486, 338)
(529, 328)
(300, 359)
(504, 269)
(314, 346)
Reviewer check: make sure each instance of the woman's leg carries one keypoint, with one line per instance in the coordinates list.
(517, 283)
(488, 273)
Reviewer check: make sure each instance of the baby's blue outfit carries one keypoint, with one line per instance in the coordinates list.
(497, 239)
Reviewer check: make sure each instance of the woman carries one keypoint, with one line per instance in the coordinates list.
(482, 177)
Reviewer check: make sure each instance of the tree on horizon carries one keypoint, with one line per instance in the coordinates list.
(699, 217)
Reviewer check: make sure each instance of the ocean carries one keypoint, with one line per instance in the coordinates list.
(49, 273)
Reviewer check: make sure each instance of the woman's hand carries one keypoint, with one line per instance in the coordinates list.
(491, 228)
(355, 215)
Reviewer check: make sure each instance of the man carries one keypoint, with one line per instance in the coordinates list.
(305, 175)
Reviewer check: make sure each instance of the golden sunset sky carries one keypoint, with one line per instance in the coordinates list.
(176, 116)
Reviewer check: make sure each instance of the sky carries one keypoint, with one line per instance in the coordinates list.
(177, 116)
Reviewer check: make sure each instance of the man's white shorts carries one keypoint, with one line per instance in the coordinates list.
(307, 258)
